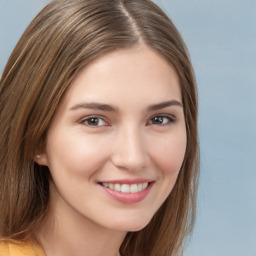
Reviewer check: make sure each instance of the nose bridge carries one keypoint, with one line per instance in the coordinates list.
(129, 148)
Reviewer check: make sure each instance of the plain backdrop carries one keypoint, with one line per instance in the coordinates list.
(221, 38)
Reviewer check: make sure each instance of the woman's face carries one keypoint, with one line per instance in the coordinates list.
(117, 141)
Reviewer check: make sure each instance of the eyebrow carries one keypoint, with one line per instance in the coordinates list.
(107, 107)
(96, 106)
(164, 105)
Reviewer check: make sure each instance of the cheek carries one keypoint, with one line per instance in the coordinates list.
(169, 154)
(75, 154)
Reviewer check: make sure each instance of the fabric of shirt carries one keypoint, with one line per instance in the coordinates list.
(13, 248)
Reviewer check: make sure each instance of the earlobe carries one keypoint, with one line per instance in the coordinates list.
(41, 159)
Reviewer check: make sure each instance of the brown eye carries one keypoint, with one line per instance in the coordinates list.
(94, 121)
(161, 120)
(158, 120)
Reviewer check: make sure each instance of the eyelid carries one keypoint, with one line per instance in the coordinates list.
(84, 119)
(172, 119)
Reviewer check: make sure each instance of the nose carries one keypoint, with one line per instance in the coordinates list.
(129, 150)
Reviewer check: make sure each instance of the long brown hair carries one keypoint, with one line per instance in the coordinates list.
(64, 37)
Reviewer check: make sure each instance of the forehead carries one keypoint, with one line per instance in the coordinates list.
(125, 75)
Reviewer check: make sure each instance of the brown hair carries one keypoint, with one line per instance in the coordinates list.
(64, 37)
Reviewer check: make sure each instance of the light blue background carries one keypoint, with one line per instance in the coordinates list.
(221, 37)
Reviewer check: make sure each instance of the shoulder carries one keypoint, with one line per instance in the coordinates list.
(16, 248)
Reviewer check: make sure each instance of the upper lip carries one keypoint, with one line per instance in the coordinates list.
(127, 181)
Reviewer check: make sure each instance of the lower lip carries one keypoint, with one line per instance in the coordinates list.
(128, 198)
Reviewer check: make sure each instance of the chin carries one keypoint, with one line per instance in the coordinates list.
(138, 228)
(132, 225)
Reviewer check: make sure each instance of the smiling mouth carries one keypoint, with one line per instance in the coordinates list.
(126, 188)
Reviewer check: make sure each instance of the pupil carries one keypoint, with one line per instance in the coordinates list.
(158, 119)
(93, 121)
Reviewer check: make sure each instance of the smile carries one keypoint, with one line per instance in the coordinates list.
(126, 188)
(127, 191)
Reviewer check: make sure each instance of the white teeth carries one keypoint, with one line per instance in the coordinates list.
(105, 185)
(126, 188)
(144, 185)
(117, 187)
(133, 188)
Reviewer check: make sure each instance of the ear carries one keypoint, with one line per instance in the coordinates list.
(40, 156)
(41, 159)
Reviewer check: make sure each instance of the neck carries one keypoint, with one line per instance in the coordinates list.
(66, 233)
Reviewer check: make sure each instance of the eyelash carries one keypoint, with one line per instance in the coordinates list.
(98, 120)
(86, 121)
(170, 119)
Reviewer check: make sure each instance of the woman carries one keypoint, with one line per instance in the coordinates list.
(98, 124)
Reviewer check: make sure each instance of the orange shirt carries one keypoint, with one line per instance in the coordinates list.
(13, 248)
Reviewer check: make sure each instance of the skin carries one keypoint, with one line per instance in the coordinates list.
(128, 142)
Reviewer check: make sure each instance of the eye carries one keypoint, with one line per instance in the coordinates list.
(161, 120)
(94, 121)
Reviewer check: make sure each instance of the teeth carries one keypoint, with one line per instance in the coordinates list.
(117, 187)
(144, 185)
(133, 188)
(126, 188)
(105, 185)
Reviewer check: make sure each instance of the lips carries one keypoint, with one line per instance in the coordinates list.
(127, 192)
(126, 188)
